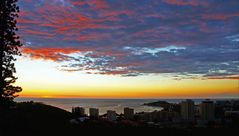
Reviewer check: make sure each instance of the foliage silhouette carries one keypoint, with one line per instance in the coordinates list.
(9, 47)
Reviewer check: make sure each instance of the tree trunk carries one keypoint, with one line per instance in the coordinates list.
(2, 21)
(1, 70)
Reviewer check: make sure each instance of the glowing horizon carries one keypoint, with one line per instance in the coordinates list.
(111, 86)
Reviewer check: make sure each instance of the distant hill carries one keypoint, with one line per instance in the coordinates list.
(158, 104)
(165, 105)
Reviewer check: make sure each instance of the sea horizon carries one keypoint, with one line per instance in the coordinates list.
(104, 104)
(76, 97)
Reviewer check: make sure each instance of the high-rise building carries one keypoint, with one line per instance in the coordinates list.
(78, 111)
(207, 110)
(94, 113)
(111, 115)
(128, 113)
(187, 110)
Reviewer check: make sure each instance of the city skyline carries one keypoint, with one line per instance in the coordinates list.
(130, 49)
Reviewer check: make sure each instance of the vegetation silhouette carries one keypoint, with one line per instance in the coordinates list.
(9, 48)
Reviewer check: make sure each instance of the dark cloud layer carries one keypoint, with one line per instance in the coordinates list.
(135, 37)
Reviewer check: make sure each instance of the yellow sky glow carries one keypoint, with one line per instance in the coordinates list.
(42, 79)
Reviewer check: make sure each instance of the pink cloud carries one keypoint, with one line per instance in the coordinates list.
(186, 2)
(32, 32)
(219, 16)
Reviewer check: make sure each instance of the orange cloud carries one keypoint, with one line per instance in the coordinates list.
(54, 54)
(78, 3)
(234, 77)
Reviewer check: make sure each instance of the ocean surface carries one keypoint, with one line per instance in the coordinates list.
(103, 104)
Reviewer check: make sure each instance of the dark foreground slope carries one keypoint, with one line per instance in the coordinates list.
(33, 119)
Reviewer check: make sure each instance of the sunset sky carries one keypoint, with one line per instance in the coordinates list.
(129, 48)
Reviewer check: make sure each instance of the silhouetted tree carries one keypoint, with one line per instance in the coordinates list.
(9, 47)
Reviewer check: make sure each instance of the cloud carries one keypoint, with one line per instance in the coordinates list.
(190, 61)
(55, 54)
(136, 37)
(153, 51)
(236, 77)
(186, 2)
(220, 16)
(233, 38)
